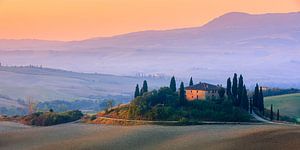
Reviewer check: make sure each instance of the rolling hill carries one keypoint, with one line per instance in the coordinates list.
(45, 84)
(208, 137)
(265, 47)
(287, 104)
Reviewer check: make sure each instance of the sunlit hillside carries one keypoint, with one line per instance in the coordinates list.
(287, 104)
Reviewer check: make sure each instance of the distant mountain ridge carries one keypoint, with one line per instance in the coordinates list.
(230, 30)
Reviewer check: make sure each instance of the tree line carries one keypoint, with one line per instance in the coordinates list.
(236, 92)
(172, 86)
(170, 103)
(258, 99)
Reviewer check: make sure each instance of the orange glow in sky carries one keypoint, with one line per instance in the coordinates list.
(81, 19)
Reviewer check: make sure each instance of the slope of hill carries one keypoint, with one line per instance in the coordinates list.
(44, 84)
(288, 104)
(231, 30)
(208, 137)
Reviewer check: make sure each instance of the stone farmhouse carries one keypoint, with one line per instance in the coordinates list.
(202, 91)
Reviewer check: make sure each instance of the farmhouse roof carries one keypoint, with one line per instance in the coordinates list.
(203, 86)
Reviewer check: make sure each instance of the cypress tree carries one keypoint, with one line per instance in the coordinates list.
(244, 99)
(228, 89)
(234, 89)
(137, 91)
(173, 84)
(191, 82)
(271, 113)
(144, 88)
(182, 94)
(278, 115)
(251, 105)
(256, 96)
(240, 90)
(261, 101)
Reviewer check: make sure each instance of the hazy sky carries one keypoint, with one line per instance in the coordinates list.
(80, 19)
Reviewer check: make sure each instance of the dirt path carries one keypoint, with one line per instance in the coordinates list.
(84, 136)
(261, 119)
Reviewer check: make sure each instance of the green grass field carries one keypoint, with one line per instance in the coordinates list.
(288, 104)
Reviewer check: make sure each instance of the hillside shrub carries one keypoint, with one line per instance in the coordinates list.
(51, 118)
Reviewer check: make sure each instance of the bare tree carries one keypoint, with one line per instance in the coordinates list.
(31, 104)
